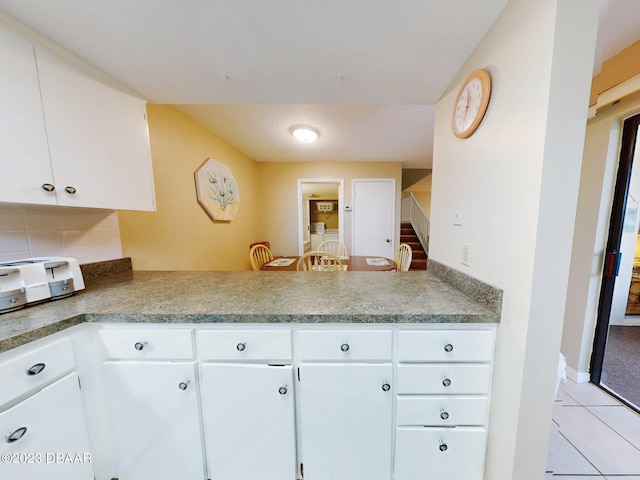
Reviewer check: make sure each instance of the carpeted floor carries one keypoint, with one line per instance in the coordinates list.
(621, 366)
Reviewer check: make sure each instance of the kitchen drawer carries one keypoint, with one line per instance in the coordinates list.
(445, 378)
(445, 346)
(444, 411)
(147, 343)
(234, 345)
(440, 453)
(344, 345)
(35, 369)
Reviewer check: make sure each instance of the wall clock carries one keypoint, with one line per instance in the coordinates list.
(471, 103)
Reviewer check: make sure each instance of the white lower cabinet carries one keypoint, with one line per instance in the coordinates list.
(346, 420)
(45, 436)
(248, 420)
(154, 420)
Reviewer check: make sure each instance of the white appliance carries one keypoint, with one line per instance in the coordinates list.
(317, 227)
(12, 289)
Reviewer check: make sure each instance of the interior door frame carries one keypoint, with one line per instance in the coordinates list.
(340, 183)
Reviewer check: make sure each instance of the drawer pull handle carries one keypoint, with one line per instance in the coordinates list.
(448, 348)
(183, 385)
(70, 190)
(241, 346)
(446, 381)
(386, 387)
(443, 446)
(36, 369)
(444, 415)
(48, 187)
(282, 390)
(344, 347)
(17, 435)
(139, 345)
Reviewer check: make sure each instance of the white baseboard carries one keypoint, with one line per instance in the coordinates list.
(578, 377)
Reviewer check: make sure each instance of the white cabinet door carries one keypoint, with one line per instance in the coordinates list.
(23, 142)
(45, 436)
(153, 415)
(346, 421)
(98, 140)
(248, 413)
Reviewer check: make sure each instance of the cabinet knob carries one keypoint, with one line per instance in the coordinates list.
(184, 385)
(446, 381)
(443, 446)
(48, 187)
(344, 347)
(282, 390)
(386, 387)
(16, 435)
(36, 369)
(70, 190)
(448, 347)
(139, 345)
(444, 415)
(241, 346)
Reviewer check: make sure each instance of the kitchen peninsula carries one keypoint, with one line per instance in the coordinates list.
(355, 375)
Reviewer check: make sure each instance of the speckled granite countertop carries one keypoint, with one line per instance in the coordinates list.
(253, 297)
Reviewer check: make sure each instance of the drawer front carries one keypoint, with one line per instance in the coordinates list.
(444, 379)
(444, 411)
(147, 343)
(344, 345)
(235, 345)
(35, 369)
(445, 346)
(440, 453)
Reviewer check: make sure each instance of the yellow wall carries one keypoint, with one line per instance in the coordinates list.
(616, 70)
(180, 235)
(278, 210)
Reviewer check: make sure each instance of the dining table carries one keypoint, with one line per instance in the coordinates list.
(354, 263)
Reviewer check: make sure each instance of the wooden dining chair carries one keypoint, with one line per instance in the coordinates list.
(319, 262)
(259, 255)
(333, 246)
(402, 257)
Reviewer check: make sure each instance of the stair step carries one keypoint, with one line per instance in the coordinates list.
(418, 264)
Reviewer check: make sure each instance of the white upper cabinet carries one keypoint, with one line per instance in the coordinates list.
(98, 140)
(23, 141)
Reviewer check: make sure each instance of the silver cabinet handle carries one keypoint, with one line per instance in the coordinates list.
(344, 347)
(16, 435)
(48, 187)
(241, 346)
(448, 347)
(444, 415)
(386, 387)
(70, 190)
(183, 385)
(139, 345)
(446, 381)
(36, 369)
(443, 446)
(282, 390)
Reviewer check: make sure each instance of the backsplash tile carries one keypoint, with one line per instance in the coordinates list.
(89, 235)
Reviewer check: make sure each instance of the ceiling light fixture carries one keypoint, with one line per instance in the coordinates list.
(305, 134)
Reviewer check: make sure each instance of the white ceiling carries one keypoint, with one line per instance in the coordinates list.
(366, 73)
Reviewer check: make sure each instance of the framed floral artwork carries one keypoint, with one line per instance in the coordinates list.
(217, 190)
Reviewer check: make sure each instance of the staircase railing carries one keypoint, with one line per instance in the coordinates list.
(419, 222)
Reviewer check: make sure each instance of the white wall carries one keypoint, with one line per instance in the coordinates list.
(89, 235)
(516, 180)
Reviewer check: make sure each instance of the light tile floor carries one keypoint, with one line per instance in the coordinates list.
(593, 436)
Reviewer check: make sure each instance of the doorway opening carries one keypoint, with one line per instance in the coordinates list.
(320, 212)
(615, 362)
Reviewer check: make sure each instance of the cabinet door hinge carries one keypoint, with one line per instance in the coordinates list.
(79, 384)
(298, 373)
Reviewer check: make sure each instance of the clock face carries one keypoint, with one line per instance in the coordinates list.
(471, 103)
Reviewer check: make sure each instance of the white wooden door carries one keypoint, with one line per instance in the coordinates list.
(98, 139)
(374, 209)
(248, 414)
(154, 420)
(23, 141)
(346, 421)
(35, 431)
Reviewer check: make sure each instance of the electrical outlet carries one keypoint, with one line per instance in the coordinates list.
(465, 257)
